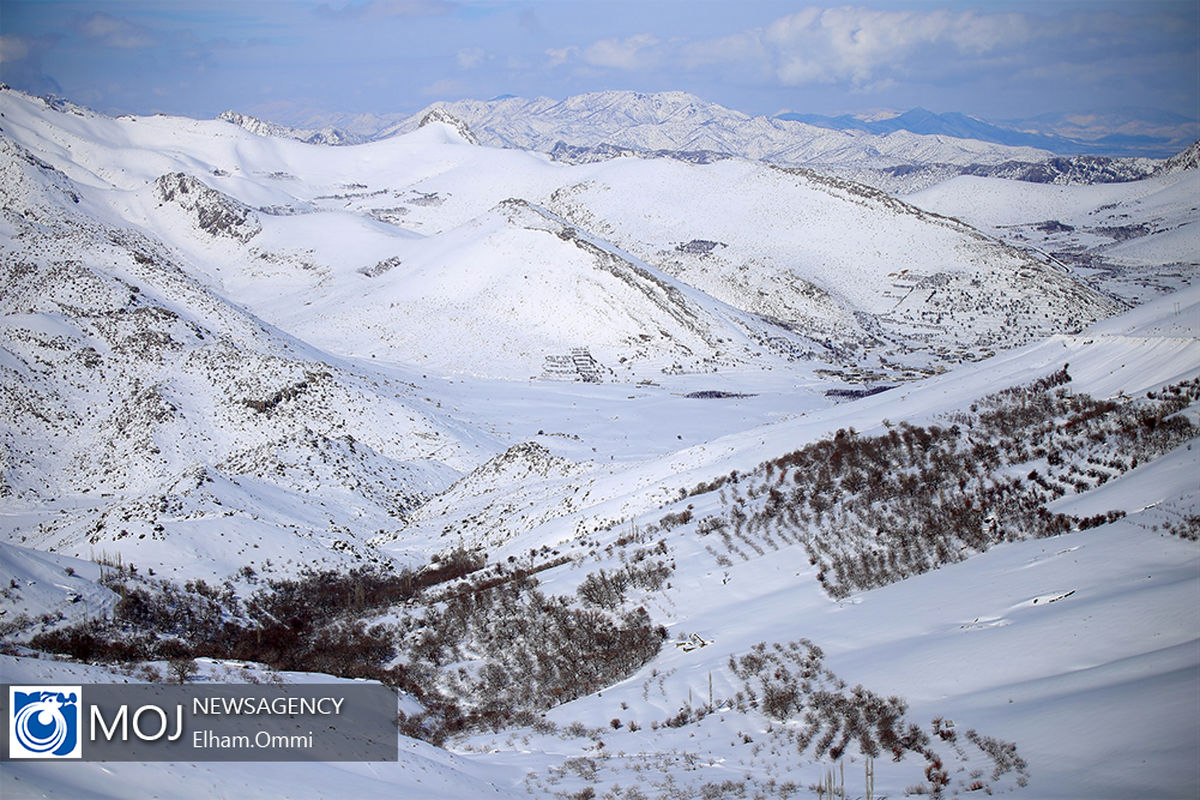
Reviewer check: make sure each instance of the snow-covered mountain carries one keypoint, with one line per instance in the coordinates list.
(424, 249)
(896, 152)
(1132, 239)
(164, 407)
(674, 122)
(659, 478)
(682, 122)
(901, 153)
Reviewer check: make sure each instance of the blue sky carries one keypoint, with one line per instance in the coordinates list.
(284, 59)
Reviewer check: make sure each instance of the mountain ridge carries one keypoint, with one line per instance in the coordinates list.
(903, 152)
(1041, 134)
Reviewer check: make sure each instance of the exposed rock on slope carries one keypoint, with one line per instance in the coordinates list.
(214, 212)
(1187, 159)
(328, 135)
(439, 114)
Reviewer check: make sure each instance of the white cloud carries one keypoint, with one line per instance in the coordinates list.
(470, 57)
(744, 47)
(634, 52)
(379, 9)
(115, 32)
(561, 55)
(12, 48)
(861, 47)
(639, 51)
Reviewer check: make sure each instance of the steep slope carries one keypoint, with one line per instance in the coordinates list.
(1188, 158)
(850, 265)
(146, 416)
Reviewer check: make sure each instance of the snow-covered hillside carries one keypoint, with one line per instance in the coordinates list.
(202, 321)
(1027, 133)
(1053, 667)
(1134, 239)
(415, 238)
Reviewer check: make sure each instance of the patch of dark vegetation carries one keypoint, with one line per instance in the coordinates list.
(1054, 226)
(426, 199)
(715, 394)
(1186, 527)
(788, 682)
(604, 151)
(1061, 170)
(699, 247)
(478, 647)
(643, 571)
(1123, 233)
(527, 651)
(381, 267)
(871, 510)
(854, 394)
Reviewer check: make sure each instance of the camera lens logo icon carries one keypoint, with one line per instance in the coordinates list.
(44, 722)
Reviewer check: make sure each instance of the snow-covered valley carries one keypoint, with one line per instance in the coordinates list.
(589, 434)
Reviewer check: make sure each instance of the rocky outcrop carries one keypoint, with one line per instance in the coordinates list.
(215, 213)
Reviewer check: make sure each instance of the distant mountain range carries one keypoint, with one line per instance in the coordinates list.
(895, 152)
(1132, 132)
(666, 122)
(1135, 128)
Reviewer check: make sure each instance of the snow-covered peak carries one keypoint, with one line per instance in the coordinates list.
(441, 115)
